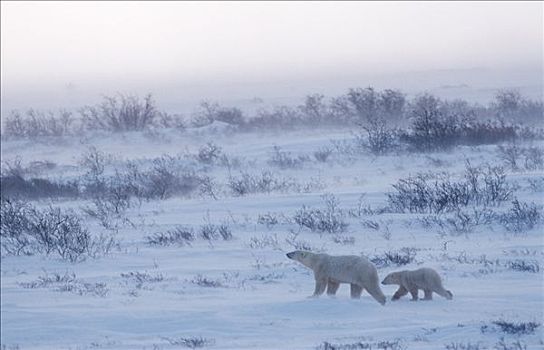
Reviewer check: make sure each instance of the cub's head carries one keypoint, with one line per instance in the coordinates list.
(392, 278)
(301, 256)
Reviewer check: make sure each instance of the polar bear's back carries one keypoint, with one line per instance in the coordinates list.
(349, 268)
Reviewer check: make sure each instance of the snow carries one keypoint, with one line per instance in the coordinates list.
(262, 302)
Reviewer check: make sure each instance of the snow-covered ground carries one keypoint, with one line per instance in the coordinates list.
(244, 293)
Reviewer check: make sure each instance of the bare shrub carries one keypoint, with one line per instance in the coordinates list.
(300, 244)
(536, 184)
(430, 129)
(224, 232)
(515, 345)
(209, 112)
(314, 109)
(38, 123)
(141, 279)
(108, 208)
(209, 153)
(379, 138)
(322, 155)
(463, 346)
(211, 232)
(27, 230)
(36, 188)
(203, 281)
(266, 241)
(401, 257)
(120, 113)
(437, 193)
(15, 225)
(190, 342)
(510, 154)
(330, 219)
(522, 217)
(380, 344)
(164, 178)
(280, 117)
(533, 158)
(55, 230)
(265, 182)
(343, 240)
(207, 187)
(524, 266)
(516, 328)
(15, 182)
(285, 160)
(268, 219)
(68, 283)
(178, 236)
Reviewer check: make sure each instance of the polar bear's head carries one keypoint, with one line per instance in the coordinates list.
(392, 278)
(301, 256)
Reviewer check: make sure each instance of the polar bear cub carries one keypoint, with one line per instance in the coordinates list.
(330, 271)
(411, 281)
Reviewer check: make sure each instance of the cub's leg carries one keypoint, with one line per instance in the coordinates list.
(399, 293)
(413, 292)
(332, 287)
(320, 285)
(428, 294)
(356, 291)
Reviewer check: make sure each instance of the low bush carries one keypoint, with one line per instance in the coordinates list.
(190, 342)
(522, 217)
(437, 193)
(285, 160)
(524, 266)
(463, 346)
(330, 219)
(209, 153)
(516, 328)
(401, 257)
(142, 279)
(27, 230)
(323, 154)
(121, 113)
(35, 123)
(16, 186)
(203, 281)
(68, 283)
(266, 182)
(178, 236)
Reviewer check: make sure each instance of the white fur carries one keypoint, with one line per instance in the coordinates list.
(411, 281)
(330, 271)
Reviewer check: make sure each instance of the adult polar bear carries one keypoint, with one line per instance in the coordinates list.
(330, 271)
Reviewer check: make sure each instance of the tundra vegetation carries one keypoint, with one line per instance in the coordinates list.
(185, 220)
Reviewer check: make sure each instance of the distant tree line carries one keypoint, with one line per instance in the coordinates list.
(386, 117)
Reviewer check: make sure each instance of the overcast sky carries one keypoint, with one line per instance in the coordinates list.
(55, 52)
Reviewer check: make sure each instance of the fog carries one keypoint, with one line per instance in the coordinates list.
(66, 54)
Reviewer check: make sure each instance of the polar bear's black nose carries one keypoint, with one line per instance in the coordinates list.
(288, 255)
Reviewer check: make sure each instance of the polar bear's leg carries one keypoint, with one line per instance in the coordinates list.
(376, 293)
(332, 287)
(320, 285)
(356, 291)
(413, 292)
(399, 293)
(445, 293)
(428, 294)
